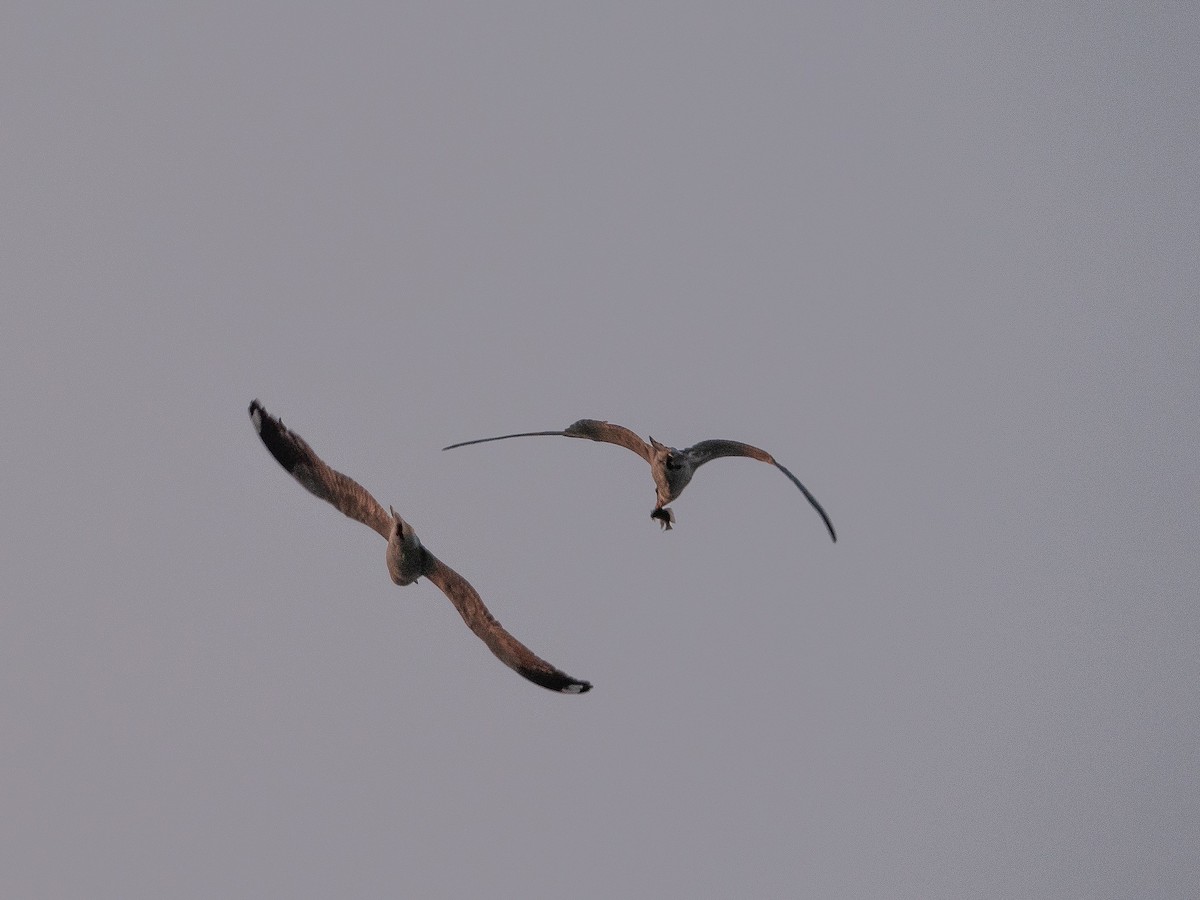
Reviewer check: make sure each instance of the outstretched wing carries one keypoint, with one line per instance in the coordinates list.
(294, 454)
(592, 429)
(596, 430)
(708, 450)
(507, 648)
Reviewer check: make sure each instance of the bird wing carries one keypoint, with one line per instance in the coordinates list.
(707, 450)
(596, 430)
(507, 648)
(592, 429)
(704, 451)
(294, 454)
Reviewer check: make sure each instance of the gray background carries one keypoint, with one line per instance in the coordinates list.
(940, 259)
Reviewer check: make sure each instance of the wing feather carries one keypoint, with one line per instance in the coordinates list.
(597, 430)
(592, 429)
(297, 457)
(507, 648)
(811, 499)
(705, 451)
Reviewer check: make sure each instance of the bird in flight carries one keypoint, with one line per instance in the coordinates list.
(672, 469)
(407, 558)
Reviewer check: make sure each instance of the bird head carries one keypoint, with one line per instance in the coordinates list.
(672, 470)
(405, 558)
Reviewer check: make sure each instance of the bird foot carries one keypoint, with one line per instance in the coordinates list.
(666, 517)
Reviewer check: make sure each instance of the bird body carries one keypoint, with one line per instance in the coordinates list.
(672, 469)
(407, 559)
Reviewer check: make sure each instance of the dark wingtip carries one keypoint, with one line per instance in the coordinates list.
(825, 518)
(558, 681)
(811, 499)
(270, 430)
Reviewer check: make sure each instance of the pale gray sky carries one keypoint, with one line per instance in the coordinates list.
(941, 260)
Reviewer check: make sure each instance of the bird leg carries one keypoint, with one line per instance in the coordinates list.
(665, 517)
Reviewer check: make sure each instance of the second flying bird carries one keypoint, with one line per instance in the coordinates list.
(672, 469)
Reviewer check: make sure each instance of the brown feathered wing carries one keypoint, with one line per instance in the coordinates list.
(705, 451)
(298, 458)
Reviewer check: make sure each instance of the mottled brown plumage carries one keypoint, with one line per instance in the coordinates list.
(407, 559)
(672, 469)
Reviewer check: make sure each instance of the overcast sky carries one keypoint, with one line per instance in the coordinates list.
(939, 259)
